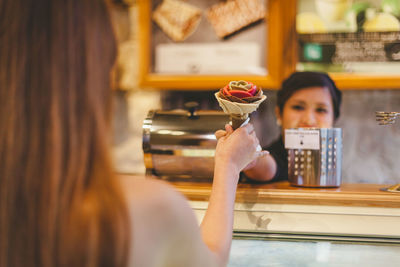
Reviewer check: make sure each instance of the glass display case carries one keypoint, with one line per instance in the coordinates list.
(308, 252)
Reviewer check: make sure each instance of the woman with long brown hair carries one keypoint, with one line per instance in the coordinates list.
(60, 202)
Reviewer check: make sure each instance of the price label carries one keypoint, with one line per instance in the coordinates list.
(302, 139)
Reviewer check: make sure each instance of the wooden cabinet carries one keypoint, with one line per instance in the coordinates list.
(279, 45)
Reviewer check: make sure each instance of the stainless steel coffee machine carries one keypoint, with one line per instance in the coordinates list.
(180, 144)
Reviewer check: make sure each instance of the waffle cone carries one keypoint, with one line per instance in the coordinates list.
(238, 120)
(239, 112)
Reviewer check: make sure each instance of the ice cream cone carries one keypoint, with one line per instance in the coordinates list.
(238, 112)
(237, 120)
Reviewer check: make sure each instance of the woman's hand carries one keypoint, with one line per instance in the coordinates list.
(237, 148)
(251, 164)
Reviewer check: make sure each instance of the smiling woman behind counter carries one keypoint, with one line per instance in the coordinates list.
(306, 99)
(60, 202)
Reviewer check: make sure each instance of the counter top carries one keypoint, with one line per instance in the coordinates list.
(361, 195)
(282, 192)
(350, 212)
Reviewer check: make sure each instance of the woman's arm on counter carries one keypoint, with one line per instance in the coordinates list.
(263, 170)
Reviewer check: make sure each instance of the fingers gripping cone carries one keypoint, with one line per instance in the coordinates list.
(237, 120)
(239, 112)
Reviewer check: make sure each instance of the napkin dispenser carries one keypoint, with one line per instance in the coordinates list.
(180, 144)
(314, 156)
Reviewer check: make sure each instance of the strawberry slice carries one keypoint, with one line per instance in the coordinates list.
(240, 94)
(253, 90)
(225, 91)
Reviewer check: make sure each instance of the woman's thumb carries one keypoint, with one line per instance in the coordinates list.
(228, 128)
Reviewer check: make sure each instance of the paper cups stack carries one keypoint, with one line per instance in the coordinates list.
(239, 99)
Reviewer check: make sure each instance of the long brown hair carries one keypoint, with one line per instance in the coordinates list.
(60, 203)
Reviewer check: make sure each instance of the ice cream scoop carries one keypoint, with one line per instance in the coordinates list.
(239, 99)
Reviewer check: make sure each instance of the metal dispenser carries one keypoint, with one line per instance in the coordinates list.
(181, 143)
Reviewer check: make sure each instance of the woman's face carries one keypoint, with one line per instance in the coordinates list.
(308, 107)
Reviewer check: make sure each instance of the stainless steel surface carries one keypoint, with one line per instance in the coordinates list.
(318, 167)
(386, 118)
(352, 238)
(181, 143)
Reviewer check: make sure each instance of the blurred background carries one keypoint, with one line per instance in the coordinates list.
(370, 151)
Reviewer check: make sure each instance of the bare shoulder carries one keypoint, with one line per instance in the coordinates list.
(155, 201)
(151, 194)
(163, 224)
(135, 187)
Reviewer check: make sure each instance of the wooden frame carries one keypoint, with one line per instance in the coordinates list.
(357, 81)
(274, 64)
(281, 53)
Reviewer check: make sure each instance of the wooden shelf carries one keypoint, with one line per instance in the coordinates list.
(361, 82)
